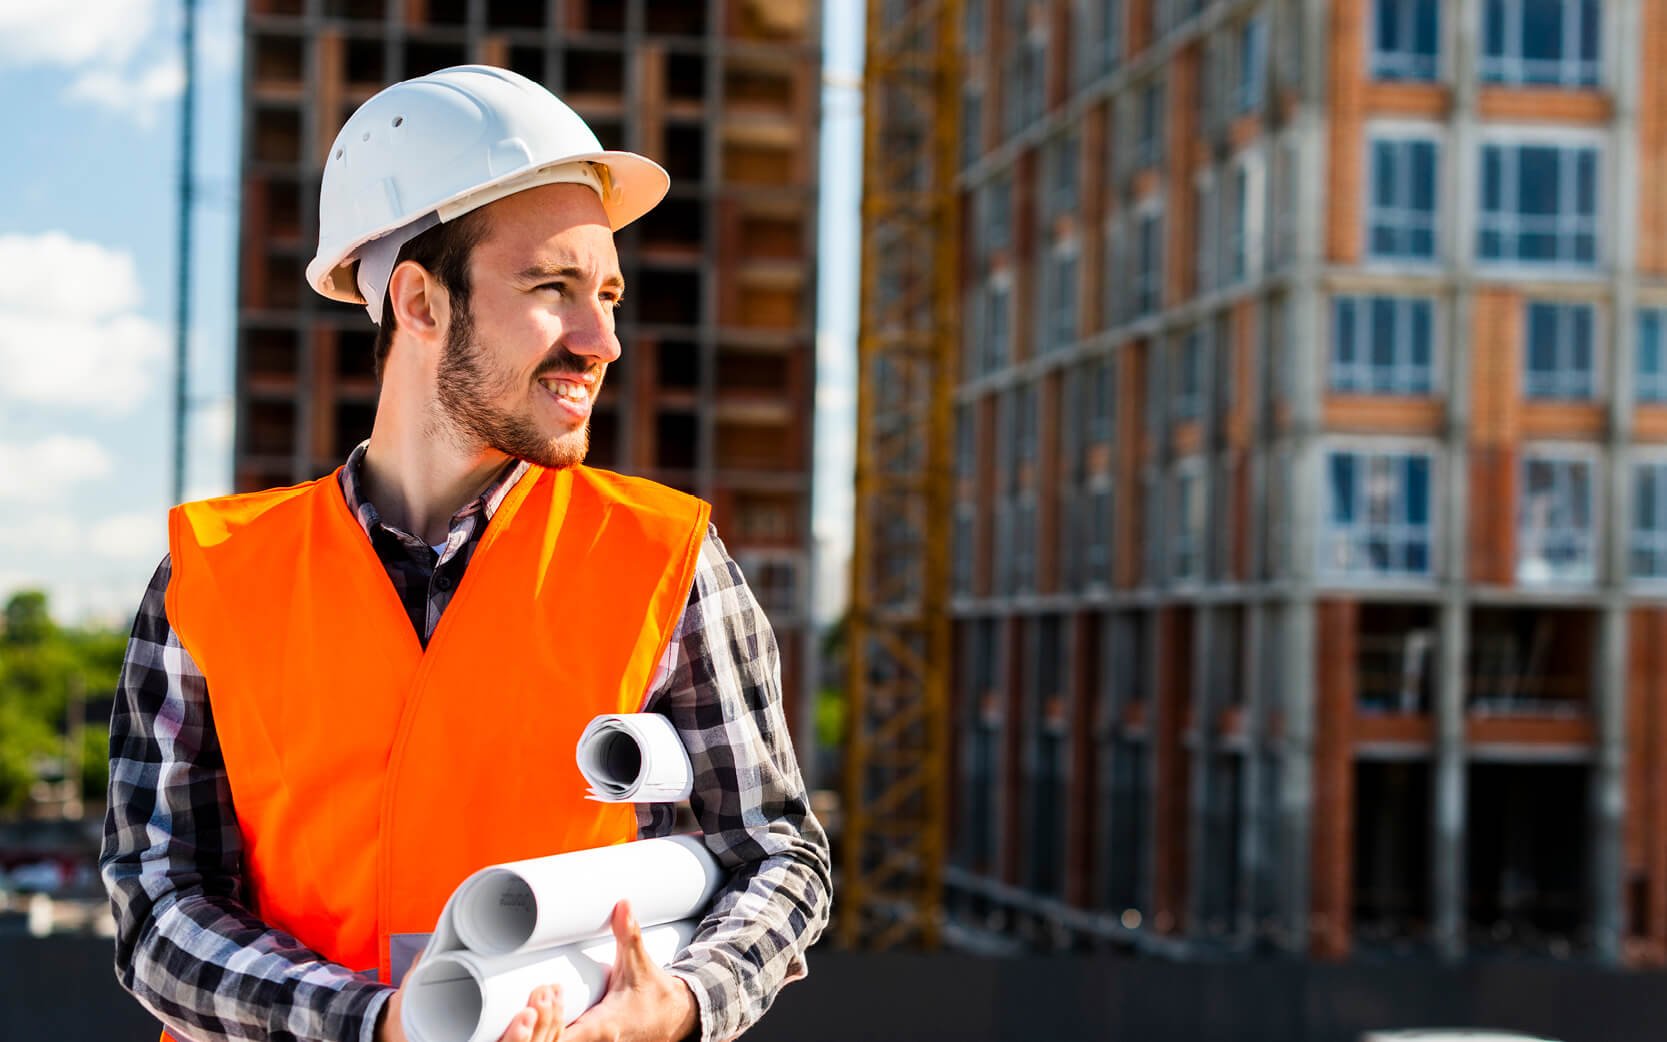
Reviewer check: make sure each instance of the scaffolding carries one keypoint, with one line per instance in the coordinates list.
(896, 765)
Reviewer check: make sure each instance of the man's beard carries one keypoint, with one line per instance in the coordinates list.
(466, 388)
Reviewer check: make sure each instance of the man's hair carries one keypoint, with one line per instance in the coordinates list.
(444, 252)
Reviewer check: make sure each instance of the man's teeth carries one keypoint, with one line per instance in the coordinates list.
(571, 391)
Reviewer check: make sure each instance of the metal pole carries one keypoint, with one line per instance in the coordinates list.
(182, 316)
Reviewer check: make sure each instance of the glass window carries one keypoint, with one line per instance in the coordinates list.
(1096, 534)
(774, 579)
(1555, 533)
(1539, 204)
(966, 515)
(1651, 378)
(1402, 208)
(1149, 141)
(1541, 42)
(1560, 362)
(998, 326)
(1111, 34)
(1102, 410)
(966, 442)
(1026, 433)
(1114, 254)
(1099, 38)
(1186, 398)
(1378, 514)
(977, 815)
(1253, 65)
(972, 28)
(1022, 550)
(1406, 41)
(1382, 345)
(1186, 522)
(1060, 330)
(1649, 520)
(1062, 175)
(1204, 236)
(1147, 287)
(998, 212)
(1238, 222)
(972, 125)
(1049, 761)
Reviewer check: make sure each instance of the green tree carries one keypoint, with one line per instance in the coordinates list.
(41, 665)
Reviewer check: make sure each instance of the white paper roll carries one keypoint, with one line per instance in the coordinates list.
(635, 758)
(542, 902)
(462, 996)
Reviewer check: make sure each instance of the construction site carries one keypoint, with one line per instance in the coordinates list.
(1260, 487)
(713, 392)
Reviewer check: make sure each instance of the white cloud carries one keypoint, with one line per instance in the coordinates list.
(69, 332)
(39, 472)
(53, 274)
(219, 35)
(73, 34)
(40, 534)
(141, 536)
(121, 55)
(210, 450)
(137, 93)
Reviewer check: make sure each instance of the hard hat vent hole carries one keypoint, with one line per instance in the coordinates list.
(339, 153)
(398, 120)
(365, 136)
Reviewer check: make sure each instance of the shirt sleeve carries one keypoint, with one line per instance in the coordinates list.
(721, 689)
(186, 946)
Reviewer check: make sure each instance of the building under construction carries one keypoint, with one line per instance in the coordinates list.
(713, 394)
(1309, 568)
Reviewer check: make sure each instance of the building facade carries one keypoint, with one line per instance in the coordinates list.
(713, 394)
(1311, 456)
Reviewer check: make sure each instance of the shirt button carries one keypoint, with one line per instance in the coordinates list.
(442, 582)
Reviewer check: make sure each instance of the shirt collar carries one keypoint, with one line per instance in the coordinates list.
(370, 519)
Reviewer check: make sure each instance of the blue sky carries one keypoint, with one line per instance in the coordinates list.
(87, 248)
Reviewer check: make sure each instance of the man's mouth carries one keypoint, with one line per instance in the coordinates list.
(567, 389)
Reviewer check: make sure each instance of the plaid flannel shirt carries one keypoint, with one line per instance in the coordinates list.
(193, 953)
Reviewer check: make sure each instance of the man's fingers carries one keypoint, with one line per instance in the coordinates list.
(547, 1001)
(521, 1028)
(629, 952)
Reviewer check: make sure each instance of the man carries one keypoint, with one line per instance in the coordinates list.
(343, 697)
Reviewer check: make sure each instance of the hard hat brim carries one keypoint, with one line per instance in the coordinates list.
(638, 185)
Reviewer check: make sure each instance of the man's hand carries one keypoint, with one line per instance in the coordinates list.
(643, 1003)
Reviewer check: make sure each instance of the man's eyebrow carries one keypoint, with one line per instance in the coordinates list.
(541, 272)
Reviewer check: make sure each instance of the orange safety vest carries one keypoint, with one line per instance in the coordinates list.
(370, 775)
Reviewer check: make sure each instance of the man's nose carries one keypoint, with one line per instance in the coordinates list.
(591, 333)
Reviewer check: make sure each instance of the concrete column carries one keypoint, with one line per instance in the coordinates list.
(1147, 891)
(1253, 854)
(1203, 697)
(1447, 781)
(1608, 785)
(1302, 457)
(1200, 842)
(1448, 770)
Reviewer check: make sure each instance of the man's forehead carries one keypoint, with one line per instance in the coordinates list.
(536, 240)
(566, 264)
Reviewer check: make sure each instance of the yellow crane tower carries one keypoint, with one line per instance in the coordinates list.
(897, 745)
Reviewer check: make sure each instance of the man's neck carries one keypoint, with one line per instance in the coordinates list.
(418, 481)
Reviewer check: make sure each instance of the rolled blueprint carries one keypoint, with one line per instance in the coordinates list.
(635, 758)
(462, 996)
(549, 901)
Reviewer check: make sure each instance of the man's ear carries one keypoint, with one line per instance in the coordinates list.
(420, 304)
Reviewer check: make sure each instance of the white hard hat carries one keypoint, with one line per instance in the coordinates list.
(440, 145)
